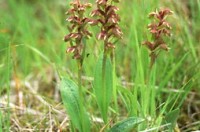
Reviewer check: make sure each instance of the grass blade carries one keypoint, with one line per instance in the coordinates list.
(172, 72)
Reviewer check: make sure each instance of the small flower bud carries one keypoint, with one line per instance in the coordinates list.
(149, 45)
(88, 5)
(71, 49)
(102, 36)
(110, 45)
(164, 47)
(93, 22)
(77, 56)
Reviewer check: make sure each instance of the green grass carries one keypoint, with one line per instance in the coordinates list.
(32, 51)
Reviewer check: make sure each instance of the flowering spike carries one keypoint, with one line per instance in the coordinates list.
(78, 29)
(159, 28)
(108, 19)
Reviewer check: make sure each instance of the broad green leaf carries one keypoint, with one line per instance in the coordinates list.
(75, 110)
(126, 125)
(171, 118)
(103, 86)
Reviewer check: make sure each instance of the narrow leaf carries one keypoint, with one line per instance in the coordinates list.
(170, 73)
(187, 88)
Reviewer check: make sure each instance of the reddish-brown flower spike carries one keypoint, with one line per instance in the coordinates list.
(78, 28)
(159, 29)
(108, 19)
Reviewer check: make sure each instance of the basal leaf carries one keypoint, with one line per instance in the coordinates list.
(126, 125)
(70, 98)
(171, 118)
(103, 86)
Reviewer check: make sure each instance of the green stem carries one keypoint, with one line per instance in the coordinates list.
(112, 56)
(80, 80)
(80, 70)
(151, 91)
(104, 65)
(103, 77)
(80, 94)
